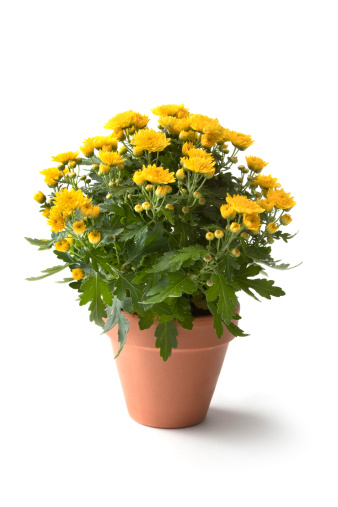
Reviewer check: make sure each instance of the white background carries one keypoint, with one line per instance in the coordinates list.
(264, 68)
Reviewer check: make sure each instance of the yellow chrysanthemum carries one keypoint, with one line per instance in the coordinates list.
(68, 200)
(64, 158)
(199, 153)
(281, 199)
(219, 234)
(252, 222)
(93, 211)
(285, 219)
(271, 227)
(39, 197)
(79, 227)
(179, 111)
(266, 181)
(175, 125)
(127, 119)
(150, 140)
(62, 246)
(88, 148)
(46, 212)
(187, 147)
(78, 274)
(227, 211)
(52, 175)
(180, 174)
(242, 204)
(235, 227)
(157, 175)
(146, 205)
(199, 165)
(138, 208)
(208, 140)
(189, 135)
(239, 140)
(110, 158)
(170, 207)
(163, 190)
(139, 177)
(256, 164)
(94, 237)
(86, 208)
(56, 220)
(266, 204)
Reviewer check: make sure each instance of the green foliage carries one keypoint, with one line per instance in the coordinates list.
(152, 257)
(166, 338)
(48, 272)
(96, 291)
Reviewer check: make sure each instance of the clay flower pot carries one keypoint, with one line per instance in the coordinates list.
(176, 393)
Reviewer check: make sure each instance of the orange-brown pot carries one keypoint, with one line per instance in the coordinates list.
(176, 393)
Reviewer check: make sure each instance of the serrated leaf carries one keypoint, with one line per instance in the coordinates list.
(172, 285)
(125, 287)
(97, 292)
(181, 309)
(39, 242)
(225, 293)
(151, 241)
(146, 321)
(115, 316)
(173, 260)
(263, 287)
(166, 333)
(235, 330)
(218, 324)
(49, 272)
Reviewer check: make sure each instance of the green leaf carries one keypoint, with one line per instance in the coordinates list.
(49, 272)
(63, 256)
(225, 293)
(282, 267)
(166, 333)
(117, 317)
(124, 287)
(172, 285)
(97, 292)
(181, 309)
(235, 330)
(151, 241)
(39, 242)
(173, 260)
(146, 321)
(218, 324)
(263, 287)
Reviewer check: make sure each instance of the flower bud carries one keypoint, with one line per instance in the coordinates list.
(71, 175)
(241, 167)
(219, 234)
(235, 227)
(185, 209)
(95, 167)
(71, 164)
(83, 177)
(270, 239)
(118, 181)
(130, 196)
(169, 207)
(149, 186)
(104, 169)
(108, 196)
(78, 274)
(210, 283)
(271, 227)
(202, 201)
(198, 195)
(146, 205)
(61, 167)
(120, 167)
(122, 150)
(183, 190)
(180, 175)
(88, 180)
(94, 237)
(112, 183)
(235, 252)
(138, 208)
(285, 219)
(39, 197)
(245, 235)
(210, 236)
(207, 258)
(234, 160)
(137, 152)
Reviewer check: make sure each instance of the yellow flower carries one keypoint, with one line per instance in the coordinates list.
(68, 200)
(78, 274)
(93, 211)
(208, 140)
(281, 199)
(169, 207)
(186, 148)
(256, 164)
(79, 227)
(175, 125)
(266, 204)
(219, 234)
(146, 205)
(210, 236)
(239, 140)
(196, 152)
(180, 175)
(140, 121)
(104, 169)
(271, 227)
(179, 111)
(39, 197)
(86, 208)
(64, 158)
(266, 181)
(150, 140)
(70, 239)
(242, 204)
(121, 120)
(88, 148)
(207, 125)
(163, 190)
(119, 134)
(252, 222)
(157, 175)
(123, 150)
(56, 220)
(199, 165)
(235, 227)
(139, 177)
(94, 237)
(110, 158)
(227, 211)
(285, 219)
(138, 208)
(46, 212)
(62, 246)
(189, 135)
(52, 175)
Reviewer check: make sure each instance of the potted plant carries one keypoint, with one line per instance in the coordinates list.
(160, 235)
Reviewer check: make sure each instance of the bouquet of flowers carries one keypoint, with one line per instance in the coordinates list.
(156, 223)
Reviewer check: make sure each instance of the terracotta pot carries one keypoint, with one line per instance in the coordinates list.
(176, 393)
